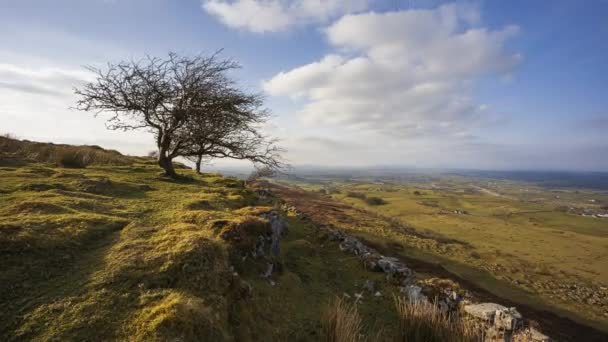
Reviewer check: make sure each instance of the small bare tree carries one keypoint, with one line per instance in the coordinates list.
(261, 172)
(186, 102)
(232, 130)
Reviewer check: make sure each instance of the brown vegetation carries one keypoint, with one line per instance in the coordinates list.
(69, 156)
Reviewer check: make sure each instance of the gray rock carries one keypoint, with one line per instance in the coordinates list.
(389, 264)
(370, 286)
(507, 319)
(414, 294)
(484, 311)
(502, 318)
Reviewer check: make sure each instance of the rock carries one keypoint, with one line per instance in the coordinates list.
(389, 264)
(269, 269)
(414, 294)
(358, 297)
(378, 294)
(407, 276)
(502, 318)
(530, 335)
(370, 286)
(278, 227)
(484, 311)
(507, 319)
(372, 266)
(536, 335)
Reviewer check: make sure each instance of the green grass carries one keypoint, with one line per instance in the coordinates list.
(121, 253)
(533, 246)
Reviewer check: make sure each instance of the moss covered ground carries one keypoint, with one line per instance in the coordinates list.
(121, 253)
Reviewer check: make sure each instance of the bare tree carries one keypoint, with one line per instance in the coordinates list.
(233, 131)
(261, 171)
(189, 103)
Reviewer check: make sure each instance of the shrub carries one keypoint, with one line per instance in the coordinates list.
(71, 158)
(375, 201)
(420, 322)
(63, 155)
(340, 322)
(355, 194)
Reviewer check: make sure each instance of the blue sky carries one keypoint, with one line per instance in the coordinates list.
(476, 84)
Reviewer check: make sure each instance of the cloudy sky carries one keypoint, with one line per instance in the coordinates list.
(416, 83)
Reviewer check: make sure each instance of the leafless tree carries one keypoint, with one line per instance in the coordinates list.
(261, 171)
(233, 131)
(189, 103)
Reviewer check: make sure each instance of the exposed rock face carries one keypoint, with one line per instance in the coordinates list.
(279, 227)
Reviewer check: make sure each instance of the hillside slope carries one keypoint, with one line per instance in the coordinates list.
(113, 252)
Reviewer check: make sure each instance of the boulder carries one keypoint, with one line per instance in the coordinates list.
(484, 311)
(507, 319)
(414, 294)
(389, 264)
(370, 286)
(496, 315)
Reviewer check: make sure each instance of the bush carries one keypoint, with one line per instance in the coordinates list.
(71, 158)
(62, 155)
(355, 194)
(375, 201)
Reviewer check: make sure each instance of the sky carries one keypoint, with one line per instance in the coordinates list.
(418, 83)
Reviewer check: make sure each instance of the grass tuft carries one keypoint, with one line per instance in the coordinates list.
(341, 322)
(423, 322)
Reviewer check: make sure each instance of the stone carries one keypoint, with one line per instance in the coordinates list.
(370, 286)
(537, 336)
(389, 264)
(414, 294)
(507, 319)
(484, 311)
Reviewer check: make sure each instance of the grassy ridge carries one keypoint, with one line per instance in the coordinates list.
(120, 253)
(111, 252)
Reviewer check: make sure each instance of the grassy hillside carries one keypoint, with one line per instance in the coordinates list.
(529, 249)
(120, 253)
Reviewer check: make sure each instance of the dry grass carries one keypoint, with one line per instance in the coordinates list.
(340, 322)
(67, 156)
(422, 322)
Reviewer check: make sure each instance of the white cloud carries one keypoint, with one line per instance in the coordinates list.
(50, 81)
(276, 15)
(35, 104)
(407, 73)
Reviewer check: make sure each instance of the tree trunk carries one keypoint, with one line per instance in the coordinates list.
(199, 161)
(167, 164)
(164, 160)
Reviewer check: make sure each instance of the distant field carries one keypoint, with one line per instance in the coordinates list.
(532, 237)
